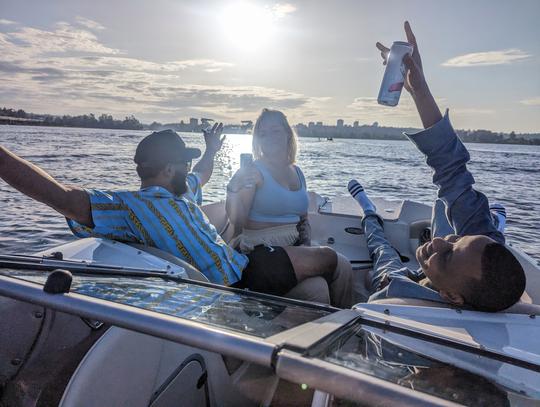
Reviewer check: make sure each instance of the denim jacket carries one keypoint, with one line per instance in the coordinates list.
(466, 209)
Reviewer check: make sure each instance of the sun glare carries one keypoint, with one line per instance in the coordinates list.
(248, 26)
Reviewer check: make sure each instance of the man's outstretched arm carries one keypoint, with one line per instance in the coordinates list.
(72, 202)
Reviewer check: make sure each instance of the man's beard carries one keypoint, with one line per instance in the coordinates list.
(179, 183)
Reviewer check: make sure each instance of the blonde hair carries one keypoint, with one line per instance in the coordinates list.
(282, 119)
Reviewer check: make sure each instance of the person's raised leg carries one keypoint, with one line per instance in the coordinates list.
(385, 258)
(358, 193)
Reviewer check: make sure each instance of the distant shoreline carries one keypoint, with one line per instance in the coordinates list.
(517, 141)
(30, 123)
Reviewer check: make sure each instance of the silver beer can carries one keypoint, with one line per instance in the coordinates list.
(394, 74)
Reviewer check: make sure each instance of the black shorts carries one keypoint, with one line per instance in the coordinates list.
(269, 271)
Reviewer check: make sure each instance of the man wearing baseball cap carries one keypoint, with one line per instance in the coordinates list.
(165, 213)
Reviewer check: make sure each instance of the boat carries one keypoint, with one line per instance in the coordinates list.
(95, 322)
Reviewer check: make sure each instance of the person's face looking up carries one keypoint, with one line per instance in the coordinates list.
(451, 262)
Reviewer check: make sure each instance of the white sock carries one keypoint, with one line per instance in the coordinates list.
(498, 212)
(358, 193)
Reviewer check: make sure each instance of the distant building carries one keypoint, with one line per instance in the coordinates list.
(310, 125)
(355, 124)
(247, 125)
(340, 123)
(193, 122)
(319, 124)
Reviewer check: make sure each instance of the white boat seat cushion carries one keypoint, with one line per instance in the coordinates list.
(191, 271)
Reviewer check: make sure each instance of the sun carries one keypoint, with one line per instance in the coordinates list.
(248, 26)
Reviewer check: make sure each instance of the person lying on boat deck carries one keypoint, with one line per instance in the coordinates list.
(165, 214)
(267, 201)
(466, 262)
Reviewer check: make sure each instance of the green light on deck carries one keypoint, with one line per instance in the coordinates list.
(303, 386)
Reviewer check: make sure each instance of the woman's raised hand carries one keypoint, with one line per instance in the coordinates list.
(246, 177)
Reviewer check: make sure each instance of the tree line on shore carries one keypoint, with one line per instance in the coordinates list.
(104, 121)
(376, 132)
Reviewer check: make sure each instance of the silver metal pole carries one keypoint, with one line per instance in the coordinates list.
(168, 327)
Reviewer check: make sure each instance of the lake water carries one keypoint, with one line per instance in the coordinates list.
(103, 159)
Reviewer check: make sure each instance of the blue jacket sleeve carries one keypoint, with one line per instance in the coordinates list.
(467, 210)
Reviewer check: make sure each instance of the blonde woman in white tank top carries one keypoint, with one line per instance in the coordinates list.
(274, 150)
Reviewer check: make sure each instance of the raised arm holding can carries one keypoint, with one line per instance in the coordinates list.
(466, 263)
(415, 82)
(394, 74)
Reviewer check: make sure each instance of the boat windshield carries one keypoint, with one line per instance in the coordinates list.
(355, 346)
(411, 363)
(256, 315)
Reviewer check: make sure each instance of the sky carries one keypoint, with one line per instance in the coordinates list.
(168, 60)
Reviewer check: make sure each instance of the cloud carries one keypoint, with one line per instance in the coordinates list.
(364, 59)
(280, 10)
(28, 42)
(67, 69)
(209, 65)
(531, 102)
(471, 111)
(368, 106)
(367, 110)
(10, 68)
(91, 24)
(140, 92)
(503, 57)
(3, 21)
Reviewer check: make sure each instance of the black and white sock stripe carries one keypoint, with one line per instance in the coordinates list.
(355, 188)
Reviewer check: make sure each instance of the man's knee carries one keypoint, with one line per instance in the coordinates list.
(329, 259)
(343, 268)
(311, 289)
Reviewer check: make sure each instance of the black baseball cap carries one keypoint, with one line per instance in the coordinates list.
(164, 146)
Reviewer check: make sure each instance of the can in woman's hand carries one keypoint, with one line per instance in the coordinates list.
(245, 159)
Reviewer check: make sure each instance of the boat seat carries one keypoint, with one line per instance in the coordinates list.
(191, 271)
(518, 308)
(126, 368)
(218, 217)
